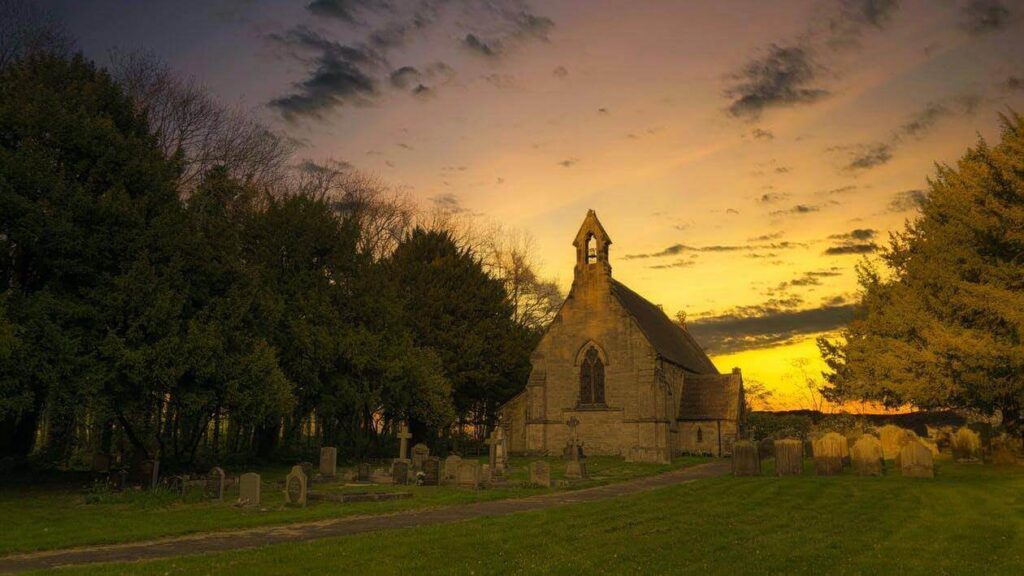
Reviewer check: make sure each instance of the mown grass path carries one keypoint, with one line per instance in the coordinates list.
(225, 541)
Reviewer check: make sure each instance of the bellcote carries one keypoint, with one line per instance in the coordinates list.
(592, 244)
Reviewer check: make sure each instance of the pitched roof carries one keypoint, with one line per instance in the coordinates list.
(710, 397)
(669, 339)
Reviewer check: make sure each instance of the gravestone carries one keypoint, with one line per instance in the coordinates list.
(916, 461)
(893, 439)
(501, 452)
(403, 438)
(147, 474)
(744, 459)
(420, 452)
(575, 467)
(867, 456)
(495, 460)
(828, 454)
(468, 474)
(296, 487)
(451, 467)
(400, 472)
(328, 462)
(789, 457)
(966, 444)
(176, 484)
(307, 469)
(432, 471)
(249, 489)
(540, 474)
(215, 484)
(363, 472)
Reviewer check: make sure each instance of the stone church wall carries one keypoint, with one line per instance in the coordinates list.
(687, 438)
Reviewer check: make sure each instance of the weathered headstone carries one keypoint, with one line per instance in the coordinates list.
(540, 474)
(403, 438)
(147, 474)
(296, 487)
(420, 452)
(468, 474)
(215, 484)
(575, 467)
(432, 471)
(249, 489)
(501, 452)
(867, 456)
(916, 461)
(451, 467)
(400, 471)
(328, 462)
(966, 444)
(893, 438)
(744, 459)
(789, 457)
(363, 472)
(493, 442)
(828, 454)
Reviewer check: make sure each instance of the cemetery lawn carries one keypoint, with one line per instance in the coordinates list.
(40, 516)
(968, 520)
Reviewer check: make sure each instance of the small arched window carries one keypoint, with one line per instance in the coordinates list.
(591, 378)
(590, 249)
(700, 435)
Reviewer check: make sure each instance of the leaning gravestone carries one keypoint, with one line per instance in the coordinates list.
(966, 444)
(744, 459)
(249, 489)
(916, 461)
(540, 474)
(828, 454)
(295, 487)
(432, 471)
(893, 439)
(215, 484)
(328, 462)
(789, 457)
(420, 452)
(468, 474)
(867, 456)
(400, 472)
(451, 467)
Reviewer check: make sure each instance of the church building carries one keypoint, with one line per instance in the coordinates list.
(636, 382)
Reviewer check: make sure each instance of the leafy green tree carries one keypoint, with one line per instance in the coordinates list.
(943, 326)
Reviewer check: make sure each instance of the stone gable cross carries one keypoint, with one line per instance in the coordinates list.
(403, 436)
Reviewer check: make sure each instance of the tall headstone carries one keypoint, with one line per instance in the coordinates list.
(468, 474)
(432, 471)
(575, 467)
(295, 487)
(828, 454)
(966, 444)
(215, 484)
(744, 459)
(916, 461)
(400, 472)
(493, 441)
(249, 489)
(501, 453)
(540, 474)
(403, 441)
(328, 462)
(451, 467)
(867, 456)
(789, 457)
(420, 452)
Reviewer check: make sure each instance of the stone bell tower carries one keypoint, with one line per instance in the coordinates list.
(592, 242)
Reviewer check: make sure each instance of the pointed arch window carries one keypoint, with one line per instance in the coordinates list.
(590, 249)
(700, 435)
(592, 379)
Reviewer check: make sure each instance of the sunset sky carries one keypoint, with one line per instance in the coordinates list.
(743, 155)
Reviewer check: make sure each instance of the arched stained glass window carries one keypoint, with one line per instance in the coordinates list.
(591, 378)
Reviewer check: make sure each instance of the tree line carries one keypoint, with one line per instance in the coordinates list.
(175, 285)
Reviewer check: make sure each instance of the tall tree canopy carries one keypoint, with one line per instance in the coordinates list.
(941, 325)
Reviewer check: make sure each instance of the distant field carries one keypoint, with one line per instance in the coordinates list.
(968, 520)
(47, 517)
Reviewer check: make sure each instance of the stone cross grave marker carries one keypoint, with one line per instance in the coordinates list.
(451, 467)
(432, 471)
(403, 438)
(789, 457)
(328, 462)
(574, 468)
(867, 456)
(468, 474)
(249, 489)
(744, 459)
(420, 452)
(400, 472)
(540, 474)
(295, 487)
(215, 484)
(492, 454)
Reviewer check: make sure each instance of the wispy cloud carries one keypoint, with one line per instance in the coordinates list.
(772, 323)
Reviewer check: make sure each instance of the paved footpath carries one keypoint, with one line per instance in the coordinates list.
(299, 532)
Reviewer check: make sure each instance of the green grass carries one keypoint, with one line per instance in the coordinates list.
(968, 520)
(43, 518)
